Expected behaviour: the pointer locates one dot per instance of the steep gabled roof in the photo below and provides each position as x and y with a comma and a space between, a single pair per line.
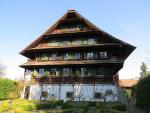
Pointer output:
75, 14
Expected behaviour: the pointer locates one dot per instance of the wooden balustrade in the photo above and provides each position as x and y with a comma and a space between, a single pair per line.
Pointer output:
71, 80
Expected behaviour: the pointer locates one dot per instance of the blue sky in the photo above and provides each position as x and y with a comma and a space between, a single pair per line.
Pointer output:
21, 22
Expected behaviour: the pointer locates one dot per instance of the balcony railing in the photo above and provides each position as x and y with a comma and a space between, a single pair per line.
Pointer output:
72, 80
94, 45
71, 62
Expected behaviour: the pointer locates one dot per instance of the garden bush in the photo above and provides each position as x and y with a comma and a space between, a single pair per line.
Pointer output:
92, 104
6, 87
119, 107
60, 102
66, 105
44, 105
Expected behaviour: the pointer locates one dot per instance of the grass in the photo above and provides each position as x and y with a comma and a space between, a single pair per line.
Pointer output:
23, 106
26, 106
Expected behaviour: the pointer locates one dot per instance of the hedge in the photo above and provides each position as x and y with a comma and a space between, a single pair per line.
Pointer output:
6, 87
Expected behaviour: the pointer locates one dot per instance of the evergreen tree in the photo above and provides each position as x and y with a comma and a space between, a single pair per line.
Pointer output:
144, 71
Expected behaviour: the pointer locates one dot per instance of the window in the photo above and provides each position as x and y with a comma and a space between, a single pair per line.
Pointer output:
66, 56
78, 71
84, 72
53, 56
44, 56
91, 71
66, 42
69, 95
97, 95
100, 71
66, 72
77, 56
89, 55
77, 42
84, 41
91, 41
53, 71
44, 94
47, 71
52, 43
103, 54
108, 92
41, 71
35, 72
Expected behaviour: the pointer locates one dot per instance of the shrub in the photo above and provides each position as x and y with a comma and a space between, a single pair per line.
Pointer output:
119, 107
143, 93
66, 105
44, 106
60, 102
6, 87
92, 104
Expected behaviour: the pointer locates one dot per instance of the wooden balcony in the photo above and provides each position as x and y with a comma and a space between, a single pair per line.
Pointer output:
34, 63
71, 80
72, 33
94, 46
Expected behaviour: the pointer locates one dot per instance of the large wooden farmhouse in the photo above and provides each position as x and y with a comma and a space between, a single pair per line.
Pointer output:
74, 59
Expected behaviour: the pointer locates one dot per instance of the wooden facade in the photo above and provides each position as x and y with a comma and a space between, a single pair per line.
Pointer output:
74, 50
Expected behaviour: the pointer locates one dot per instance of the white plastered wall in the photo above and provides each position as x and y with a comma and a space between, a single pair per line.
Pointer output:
81, 91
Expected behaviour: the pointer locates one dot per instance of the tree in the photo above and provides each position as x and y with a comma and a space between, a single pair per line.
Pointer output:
144, 71
143, 93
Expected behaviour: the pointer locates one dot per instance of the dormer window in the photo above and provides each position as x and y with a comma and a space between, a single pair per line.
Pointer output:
103, 54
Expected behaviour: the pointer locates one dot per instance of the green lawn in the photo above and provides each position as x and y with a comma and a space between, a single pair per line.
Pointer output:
26, 106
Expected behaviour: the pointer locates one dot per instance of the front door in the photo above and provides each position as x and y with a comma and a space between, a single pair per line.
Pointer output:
27, 91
